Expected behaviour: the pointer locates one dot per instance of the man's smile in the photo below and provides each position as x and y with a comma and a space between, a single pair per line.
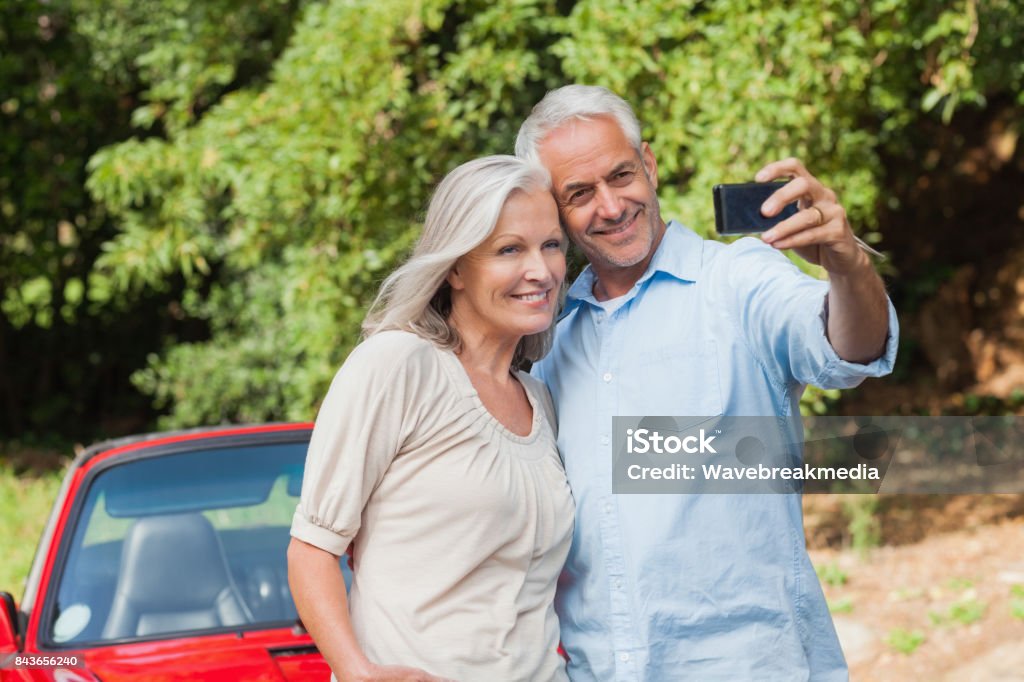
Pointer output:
618, 227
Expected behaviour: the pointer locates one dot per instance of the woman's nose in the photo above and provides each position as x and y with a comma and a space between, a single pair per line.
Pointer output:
539, 269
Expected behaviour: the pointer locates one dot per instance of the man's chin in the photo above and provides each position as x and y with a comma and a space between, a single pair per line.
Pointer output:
625, 257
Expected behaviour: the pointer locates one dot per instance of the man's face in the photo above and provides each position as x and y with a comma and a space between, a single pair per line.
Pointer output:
605, 192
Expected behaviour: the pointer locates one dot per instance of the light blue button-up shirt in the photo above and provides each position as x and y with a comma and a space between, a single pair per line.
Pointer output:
701, 587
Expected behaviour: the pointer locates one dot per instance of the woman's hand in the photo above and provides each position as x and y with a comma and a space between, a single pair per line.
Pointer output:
396, 673
319, 592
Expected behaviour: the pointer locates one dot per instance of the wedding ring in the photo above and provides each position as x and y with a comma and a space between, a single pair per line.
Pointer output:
821, 216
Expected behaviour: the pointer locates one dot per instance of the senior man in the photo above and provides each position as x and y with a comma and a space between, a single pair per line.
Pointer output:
663, 322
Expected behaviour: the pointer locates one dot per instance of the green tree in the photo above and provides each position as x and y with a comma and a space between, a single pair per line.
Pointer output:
281, 201
69, 337
284, 205
54, 116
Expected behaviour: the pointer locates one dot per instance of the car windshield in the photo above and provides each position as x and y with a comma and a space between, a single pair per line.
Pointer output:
185, 542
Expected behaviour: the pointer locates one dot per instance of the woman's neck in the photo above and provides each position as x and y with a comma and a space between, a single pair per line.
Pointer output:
483, 354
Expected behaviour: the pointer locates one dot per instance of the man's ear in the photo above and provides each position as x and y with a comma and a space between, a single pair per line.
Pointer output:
650, 164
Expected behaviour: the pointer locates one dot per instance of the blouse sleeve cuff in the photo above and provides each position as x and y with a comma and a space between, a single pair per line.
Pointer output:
314, 534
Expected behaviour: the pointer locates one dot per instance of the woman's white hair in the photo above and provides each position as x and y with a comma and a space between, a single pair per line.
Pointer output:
568, 102
463, 212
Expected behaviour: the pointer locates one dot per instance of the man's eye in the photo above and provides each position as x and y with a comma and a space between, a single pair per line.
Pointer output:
622, 178
579, 196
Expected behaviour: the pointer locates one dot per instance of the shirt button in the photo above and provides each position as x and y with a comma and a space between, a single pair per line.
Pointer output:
604, 440
607, 377
624, 657
607, 509
618, 583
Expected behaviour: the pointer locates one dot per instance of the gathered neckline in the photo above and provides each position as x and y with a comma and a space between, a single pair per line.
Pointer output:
461, 379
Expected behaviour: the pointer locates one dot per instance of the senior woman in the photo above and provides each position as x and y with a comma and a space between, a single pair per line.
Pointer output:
435, 456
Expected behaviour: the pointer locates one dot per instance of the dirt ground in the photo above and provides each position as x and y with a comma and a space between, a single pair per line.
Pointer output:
941, 599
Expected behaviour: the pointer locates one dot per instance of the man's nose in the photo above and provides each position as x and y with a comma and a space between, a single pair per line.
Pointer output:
609, 206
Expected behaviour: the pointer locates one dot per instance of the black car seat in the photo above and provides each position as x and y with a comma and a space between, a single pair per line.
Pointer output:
174, 577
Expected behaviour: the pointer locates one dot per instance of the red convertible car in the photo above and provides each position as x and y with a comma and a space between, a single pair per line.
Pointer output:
164, 559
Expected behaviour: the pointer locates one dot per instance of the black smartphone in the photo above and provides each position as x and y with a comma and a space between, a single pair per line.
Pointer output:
738, 207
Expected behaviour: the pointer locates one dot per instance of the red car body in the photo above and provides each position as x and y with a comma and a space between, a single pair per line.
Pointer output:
224, 481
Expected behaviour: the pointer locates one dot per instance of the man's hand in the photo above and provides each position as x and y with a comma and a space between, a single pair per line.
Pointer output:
858, 322
819, 232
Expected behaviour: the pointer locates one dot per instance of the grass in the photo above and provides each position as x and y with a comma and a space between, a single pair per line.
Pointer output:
1017, 601
964, 612
842, 605
959, 584
24, 505
907, 593
905, 641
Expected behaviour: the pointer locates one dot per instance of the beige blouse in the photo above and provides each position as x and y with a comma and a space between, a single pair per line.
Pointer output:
461, 527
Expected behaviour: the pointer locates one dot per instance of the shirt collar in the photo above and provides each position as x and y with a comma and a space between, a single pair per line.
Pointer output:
678, 255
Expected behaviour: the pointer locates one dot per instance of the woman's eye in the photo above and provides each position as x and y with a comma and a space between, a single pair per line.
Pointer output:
553, 244
507, 250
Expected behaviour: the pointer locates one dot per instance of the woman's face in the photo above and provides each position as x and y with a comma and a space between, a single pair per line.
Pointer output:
507, 287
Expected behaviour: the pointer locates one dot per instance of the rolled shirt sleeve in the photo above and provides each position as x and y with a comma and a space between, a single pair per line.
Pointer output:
782, 317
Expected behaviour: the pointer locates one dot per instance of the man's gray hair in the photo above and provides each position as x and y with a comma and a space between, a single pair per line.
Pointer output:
463, 212
568, 102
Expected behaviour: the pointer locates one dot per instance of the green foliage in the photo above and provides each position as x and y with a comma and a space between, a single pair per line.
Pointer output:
818, 401
285, 205
841, 605
994, 406
286, 149
832, 574
958, 584
907, 593
963, 611
1017, 601
905, 641
46, 222
727, 87
865, 532
65, 355
185, 54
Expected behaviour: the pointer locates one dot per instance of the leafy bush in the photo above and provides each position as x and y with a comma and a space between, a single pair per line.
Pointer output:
287, 148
